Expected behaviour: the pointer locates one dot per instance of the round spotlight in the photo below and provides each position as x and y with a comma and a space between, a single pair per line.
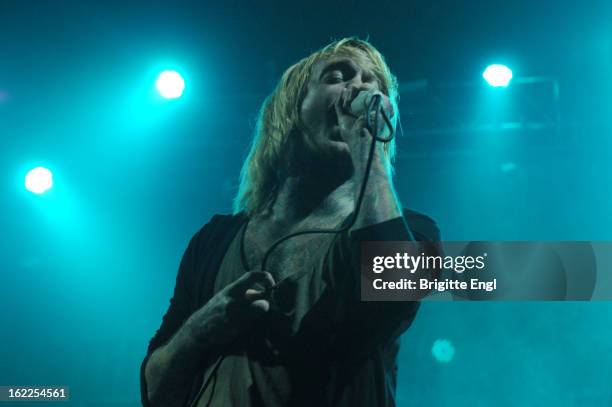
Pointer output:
497, 75
170, 84
443, 351
39, 180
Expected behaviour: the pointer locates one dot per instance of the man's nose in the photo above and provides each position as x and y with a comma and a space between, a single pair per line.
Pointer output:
356, 85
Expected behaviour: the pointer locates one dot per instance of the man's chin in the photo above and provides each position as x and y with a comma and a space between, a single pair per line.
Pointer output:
334, 159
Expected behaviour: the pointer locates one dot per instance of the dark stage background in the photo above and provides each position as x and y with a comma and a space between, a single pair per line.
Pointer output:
88, 269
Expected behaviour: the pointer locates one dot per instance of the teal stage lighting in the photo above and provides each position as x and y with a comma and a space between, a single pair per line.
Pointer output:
497, 75
39, 180
170, 85
443, 351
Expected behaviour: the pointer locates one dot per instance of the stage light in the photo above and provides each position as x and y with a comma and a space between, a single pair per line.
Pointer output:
170, 84
507, 167
39, 180
497, 75
443, 350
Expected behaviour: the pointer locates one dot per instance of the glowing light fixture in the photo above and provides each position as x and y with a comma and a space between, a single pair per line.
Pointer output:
170, 84
39, 180
497, 75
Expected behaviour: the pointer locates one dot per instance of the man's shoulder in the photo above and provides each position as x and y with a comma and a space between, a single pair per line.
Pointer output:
422, 225
225, 219
413, 214
220, 223
209, 244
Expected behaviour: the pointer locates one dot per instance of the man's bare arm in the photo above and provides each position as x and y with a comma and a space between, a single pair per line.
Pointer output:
171, 368
380, 202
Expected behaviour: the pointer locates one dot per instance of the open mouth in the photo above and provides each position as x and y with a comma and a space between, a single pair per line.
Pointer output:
332, 119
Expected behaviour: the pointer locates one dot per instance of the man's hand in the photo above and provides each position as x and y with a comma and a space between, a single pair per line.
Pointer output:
354, 132
231, 311
379, 203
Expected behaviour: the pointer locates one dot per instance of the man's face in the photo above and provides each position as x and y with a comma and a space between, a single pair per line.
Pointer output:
321, 131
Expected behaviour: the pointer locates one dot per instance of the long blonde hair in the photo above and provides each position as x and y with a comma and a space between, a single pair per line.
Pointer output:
279, 118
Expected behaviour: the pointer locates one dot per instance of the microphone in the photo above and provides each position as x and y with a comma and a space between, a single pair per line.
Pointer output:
360, 105
362, 101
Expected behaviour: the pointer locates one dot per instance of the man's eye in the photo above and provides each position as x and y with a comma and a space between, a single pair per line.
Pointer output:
369, 78
334, 77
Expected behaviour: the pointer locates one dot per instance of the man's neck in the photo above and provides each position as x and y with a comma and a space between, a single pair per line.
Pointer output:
303, 198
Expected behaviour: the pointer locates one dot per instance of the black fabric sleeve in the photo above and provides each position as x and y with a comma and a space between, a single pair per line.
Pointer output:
179, 310
364, 325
